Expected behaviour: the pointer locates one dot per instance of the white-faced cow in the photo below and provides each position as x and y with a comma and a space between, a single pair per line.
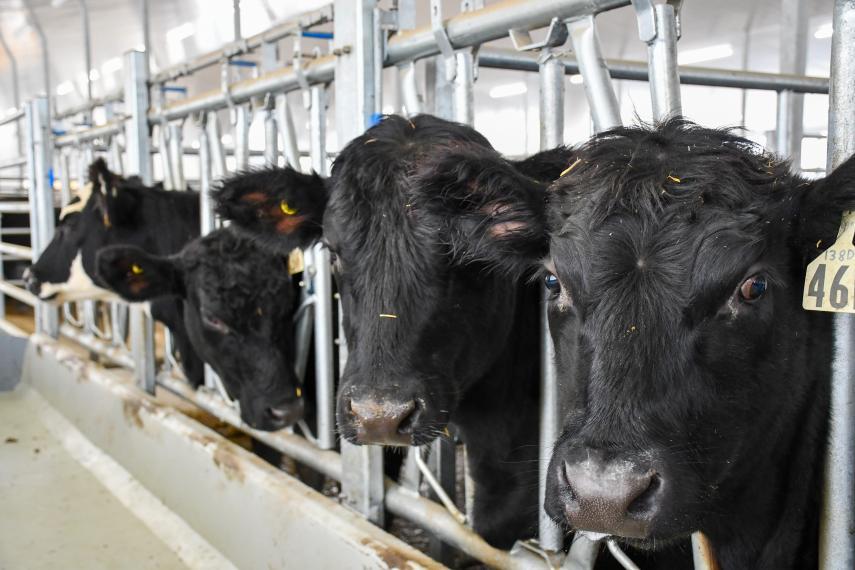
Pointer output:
238, 303
115, 210
433, 336
699, 388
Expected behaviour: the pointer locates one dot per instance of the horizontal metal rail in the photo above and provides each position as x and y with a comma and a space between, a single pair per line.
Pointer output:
14, 231
491, 23
320, 70
21, 251
110, 129
112, 97
285, 29
13, 162
689, 75
400, 501
18, 293
14, 207
87, 340
16, 115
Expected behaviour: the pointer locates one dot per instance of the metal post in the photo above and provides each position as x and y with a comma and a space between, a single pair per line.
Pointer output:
39, 161
285, 122
16, 90
236, 20
141, 328
318, 129
87, 51
146, 26
163, 151
175, 155
410, 100
34, 21
323, 330
2, 275
242, 117
551, 135
207, 220
794, 28
271, 138
215, 145
658, 26
837, 542
137, 142
355, 73
599, 90
463, 87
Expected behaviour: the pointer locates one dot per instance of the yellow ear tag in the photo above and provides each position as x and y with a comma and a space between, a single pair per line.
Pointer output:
830, 278
136, 269
299, 392
286, 209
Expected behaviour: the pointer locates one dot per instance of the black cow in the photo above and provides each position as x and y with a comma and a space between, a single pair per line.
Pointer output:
675, 257
115, 210
238, 302
433, 336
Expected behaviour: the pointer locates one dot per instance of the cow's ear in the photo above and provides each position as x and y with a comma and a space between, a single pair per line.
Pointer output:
490, 210
113, 203
137, 275
821, 205
280, 207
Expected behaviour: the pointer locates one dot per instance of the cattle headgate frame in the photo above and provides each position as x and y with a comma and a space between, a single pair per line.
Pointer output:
365, 40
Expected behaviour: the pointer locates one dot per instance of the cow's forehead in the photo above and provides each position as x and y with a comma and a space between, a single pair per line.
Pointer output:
77, 205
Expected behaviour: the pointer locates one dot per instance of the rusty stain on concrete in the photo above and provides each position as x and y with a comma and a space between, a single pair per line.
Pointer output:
225, 459
390, 556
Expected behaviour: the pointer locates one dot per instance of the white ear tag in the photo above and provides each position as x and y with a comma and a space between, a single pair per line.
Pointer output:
830, 278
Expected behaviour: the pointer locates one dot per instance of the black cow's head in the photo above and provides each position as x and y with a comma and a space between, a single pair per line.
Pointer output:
104, 212
238, 305
423, 321
674, 258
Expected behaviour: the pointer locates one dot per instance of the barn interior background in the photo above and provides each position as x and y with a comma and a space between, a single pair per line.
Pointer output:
188, 91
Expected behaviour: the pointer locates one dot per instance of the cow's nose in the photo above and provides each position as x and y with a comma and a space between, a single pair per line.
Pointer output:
384, 422
284, 415
31, 282
611, 495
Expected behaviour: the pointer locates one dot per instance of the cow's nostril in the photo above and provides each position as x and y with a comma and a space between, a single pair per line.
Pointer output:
277, 413
409, 418
646, 501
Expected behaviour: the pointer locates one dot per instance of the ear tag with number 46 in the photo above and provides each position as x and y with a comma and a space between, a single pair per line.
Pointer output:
830, 278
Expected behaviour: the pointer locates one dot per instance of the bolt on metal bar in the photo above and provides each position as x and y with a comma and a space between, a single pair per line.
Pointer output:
551, 135
599, 90
39, 159
837, 542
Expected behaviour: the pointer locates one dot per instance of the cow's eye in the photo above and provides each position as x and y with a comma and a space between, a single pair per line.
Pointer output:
753, 288
213, 323
552, 283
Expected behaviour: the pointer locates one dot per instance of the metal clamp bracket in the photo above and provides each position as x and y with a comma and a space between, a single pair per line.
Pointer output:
645, 14
556, 36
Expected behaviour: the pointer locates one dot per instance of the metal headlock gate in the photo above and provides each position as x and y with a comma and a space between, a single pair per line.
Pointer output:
366, 39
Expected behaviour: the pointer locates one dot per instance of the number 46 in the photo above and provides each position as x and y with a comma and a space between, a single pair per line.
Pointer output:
838, 293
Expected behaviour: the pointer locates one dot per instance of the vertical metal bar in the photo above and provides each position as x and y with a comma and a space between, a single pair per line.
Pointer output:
794, 28
236, 20
243, 117
176, 156
837, 542
463, 87
163, 152
16, 90
137, 142
206, 205
215, 145
271, 138
551, 135
410, 100
146, 27
141, 328
34, 21
65, 177
355, 85
87, 51
599, 89
657, 26
41, 197
443, 464
2, 276
324, 372
318, 129
285, 122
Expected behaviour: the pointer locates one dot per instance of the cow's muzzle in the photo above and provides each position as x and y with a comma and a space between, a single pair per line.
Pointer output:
608, 493
383, 421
